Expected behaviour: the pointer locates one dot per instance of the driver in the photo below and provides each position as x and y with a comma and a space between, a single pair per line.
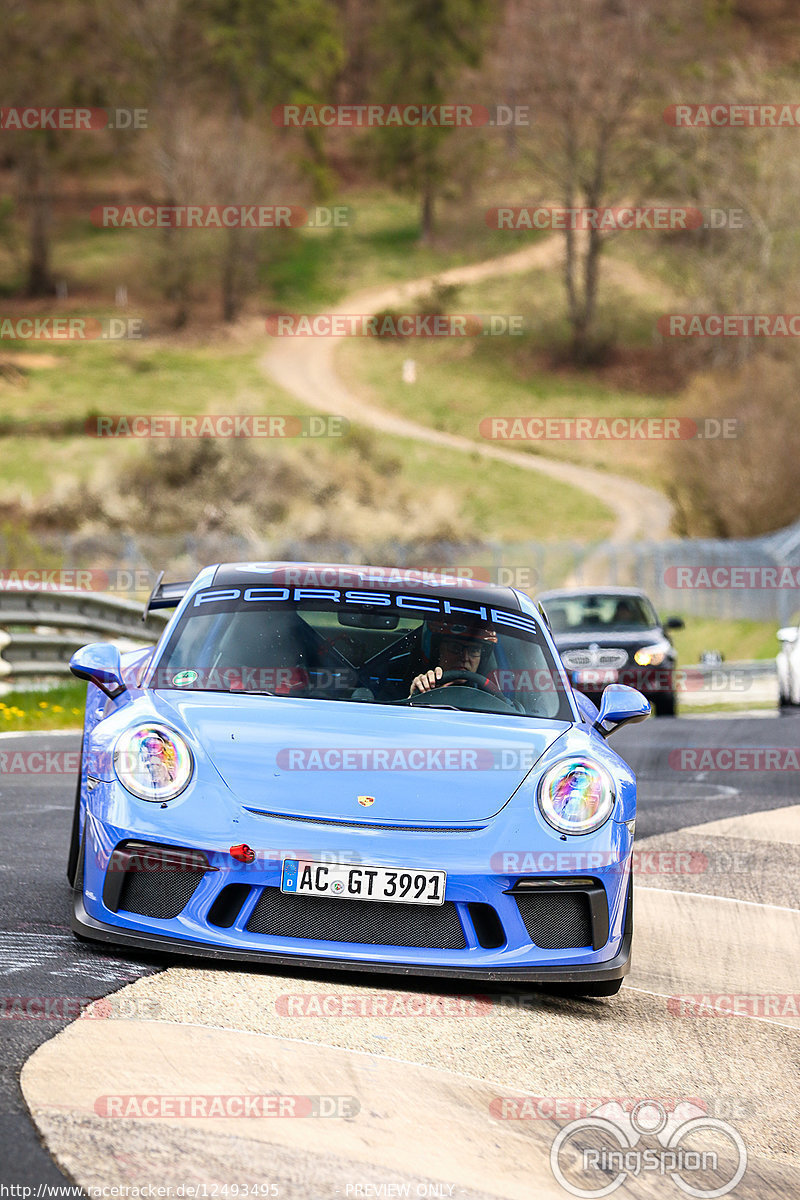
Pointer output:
452, 646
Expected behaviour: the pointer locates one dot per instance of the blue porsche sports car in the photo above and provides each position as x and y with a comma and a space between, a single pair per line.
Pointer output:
355, 767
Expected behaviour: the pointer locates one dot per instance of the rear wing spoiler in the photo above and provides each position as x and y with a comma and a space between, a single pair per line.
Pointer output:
165, 595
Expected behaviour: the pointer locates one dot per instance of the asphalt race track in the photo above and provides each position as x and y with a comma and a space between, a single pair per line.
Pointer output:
40, 958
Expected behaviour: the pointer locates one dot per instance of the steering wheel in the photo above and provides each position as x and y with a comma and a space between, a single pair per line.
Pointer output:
473, 679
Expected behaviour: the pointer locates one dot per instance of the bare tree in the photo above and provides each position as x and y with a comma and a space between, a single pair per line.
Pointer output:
243, 164
587, 72
48, 58
745, 258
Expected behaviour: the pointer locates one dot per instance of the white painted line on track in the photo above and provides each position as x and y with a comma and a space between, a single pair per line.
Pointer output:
370, 1054
18, 733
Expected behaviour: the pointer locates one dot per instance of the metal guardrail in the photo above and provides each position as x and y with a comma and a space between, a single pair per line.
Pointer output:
730, 683
44, 629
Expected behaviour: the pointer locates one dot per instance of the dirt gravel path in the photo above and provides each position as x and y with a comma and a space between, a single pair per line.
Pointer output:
306, 367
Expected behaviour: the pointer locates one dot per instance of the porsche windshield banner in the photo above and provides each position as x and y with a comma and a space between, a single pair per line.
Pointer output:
408, 605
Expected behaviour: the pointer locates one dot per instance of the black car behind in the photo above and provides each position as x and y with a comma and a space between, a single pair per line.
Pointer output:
613, 635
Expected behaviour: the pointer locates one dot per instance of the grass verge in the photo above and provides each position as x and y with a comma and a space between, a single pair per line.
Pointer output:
56, 708
736, 640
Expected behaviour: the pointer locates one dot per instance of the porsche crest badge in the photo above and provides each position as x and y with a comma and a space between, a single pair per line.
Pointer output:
366, 800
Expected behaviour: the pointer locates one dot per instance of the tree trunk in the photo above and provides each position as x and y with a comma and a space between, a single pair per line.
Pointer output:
36, 181
230, 275
427, 212
583, 347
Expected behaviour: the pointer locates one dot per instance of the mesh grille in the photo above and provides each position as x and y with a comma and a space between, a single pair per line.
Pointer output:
368, 921
557, 921
160, 894
604, 656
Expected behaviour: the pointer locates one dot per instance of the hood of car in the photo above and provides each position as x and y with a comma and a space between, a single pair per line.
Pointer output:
609, 637
361, 763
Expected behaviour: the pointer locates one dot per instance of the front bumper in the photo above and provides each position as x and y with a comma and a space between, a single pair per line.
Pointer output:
478, 874
652, 682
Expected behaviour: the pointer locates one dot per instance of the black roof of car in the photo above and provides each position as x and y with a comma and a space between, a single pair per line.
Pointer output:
566, 593
364, 579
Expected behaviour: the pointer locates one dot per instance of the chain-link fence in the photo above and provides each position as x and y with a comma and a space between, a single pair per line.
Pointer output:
748, 578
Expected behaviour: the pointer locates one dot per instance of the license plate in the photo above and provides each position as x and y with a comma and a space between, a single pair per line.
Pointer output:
340, 881
596, 676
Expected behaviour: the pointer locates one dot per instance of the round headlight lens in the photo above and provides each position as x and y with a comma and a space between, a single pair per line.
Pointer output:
576, 796
153, 762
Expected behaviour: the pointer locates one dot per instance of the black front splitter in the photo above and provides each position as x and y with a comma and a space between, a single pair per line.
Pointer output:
86, 926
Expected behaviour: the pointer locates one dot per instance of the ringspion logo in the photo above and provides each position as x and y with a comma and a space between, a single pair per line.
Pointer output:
594, 1155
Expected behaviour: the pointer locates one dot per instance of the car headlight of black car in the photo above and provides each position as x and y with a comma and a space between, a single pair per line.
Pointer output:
153, 762
576, 795
652, 656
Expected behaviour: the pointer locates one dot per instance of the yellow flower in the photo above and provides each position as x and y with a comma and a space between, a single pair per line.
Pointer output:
76, 712
43, 704
57, 708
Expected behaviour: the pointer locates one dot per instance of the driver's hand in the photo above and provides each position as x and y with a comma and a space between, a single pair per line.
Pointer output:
426, 681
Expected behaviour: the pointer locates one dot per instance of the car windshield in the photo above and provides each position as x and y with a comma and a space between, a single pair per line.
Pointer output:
369, 649
600, 611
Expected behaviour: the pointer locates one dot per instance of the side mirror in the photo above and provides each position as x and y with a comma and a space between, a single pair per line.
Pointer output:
674, 623
788, 634
620, 705
100, 663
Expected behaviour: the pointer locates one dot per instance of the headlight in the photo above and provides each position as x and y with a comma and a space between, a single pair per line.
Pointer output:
153, 762
576, 796
651, 656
